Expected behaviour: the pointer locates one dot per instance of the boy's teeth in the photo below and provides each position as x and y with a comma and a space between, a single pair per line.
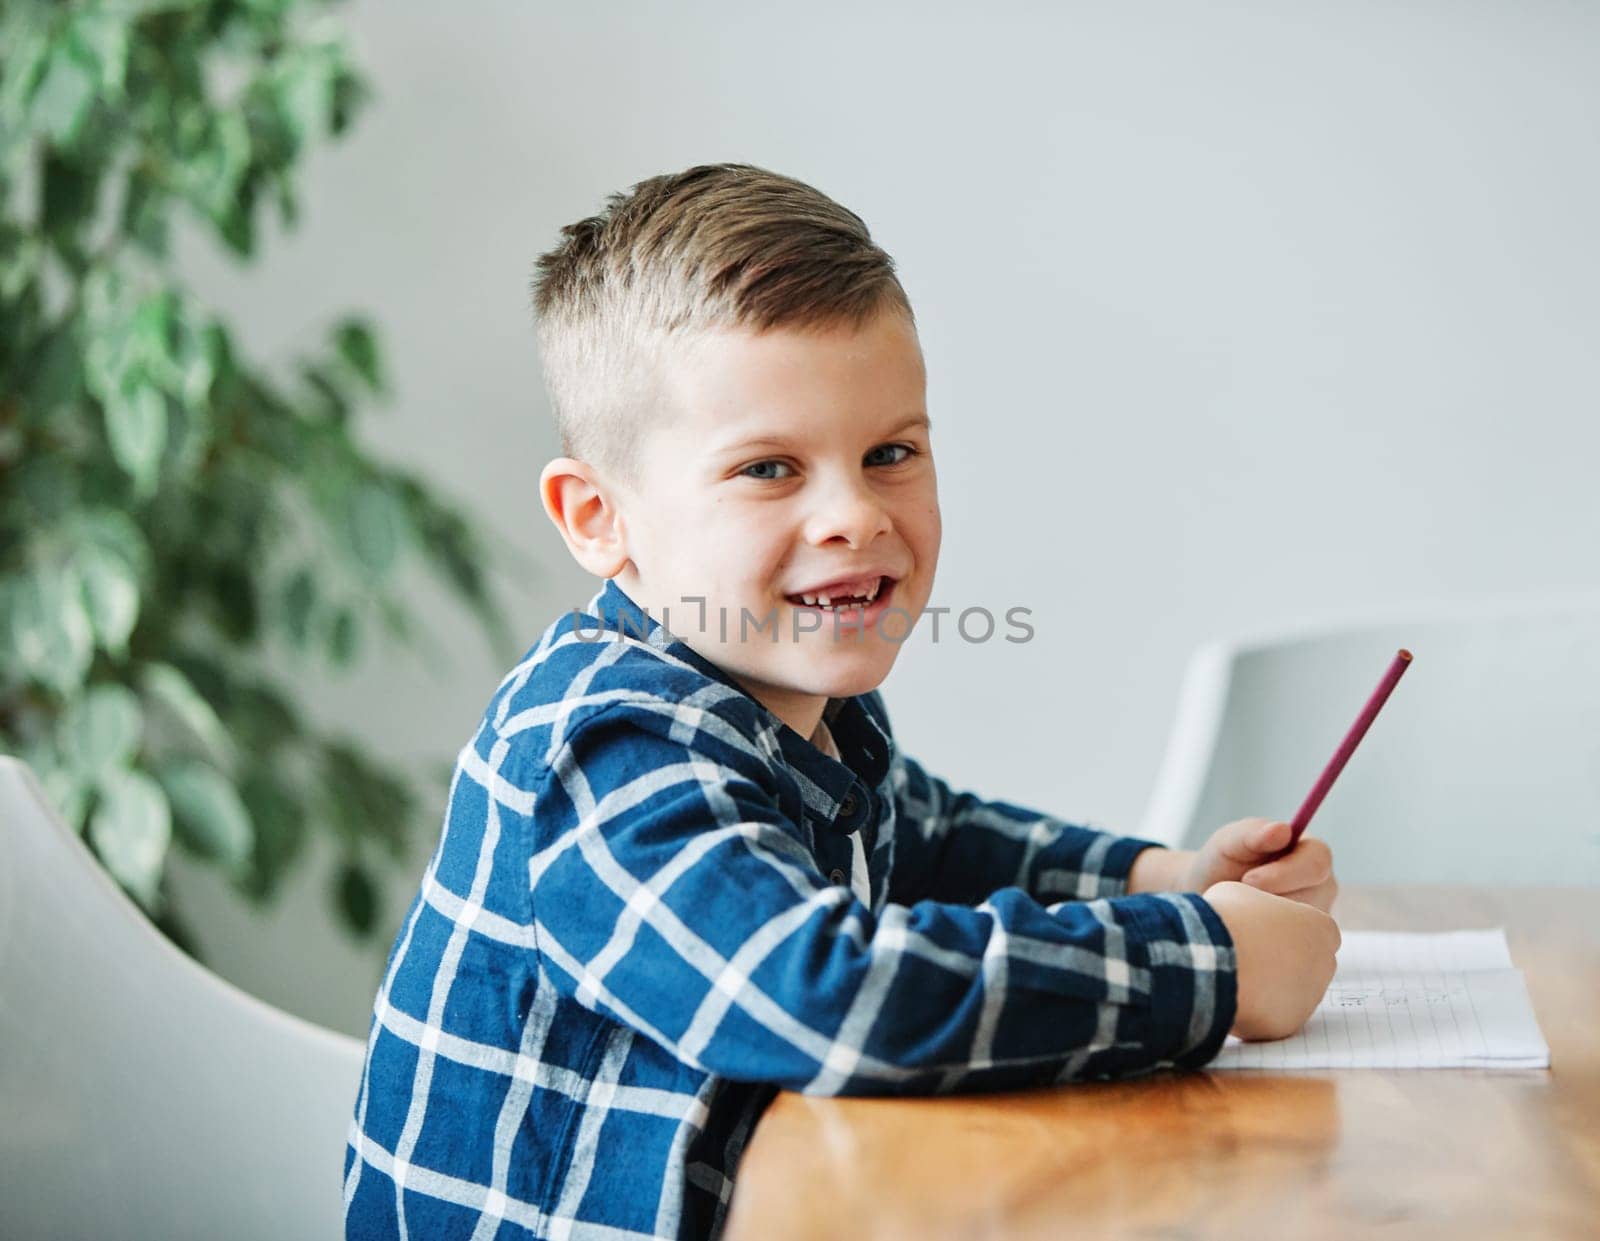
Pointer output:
826, 601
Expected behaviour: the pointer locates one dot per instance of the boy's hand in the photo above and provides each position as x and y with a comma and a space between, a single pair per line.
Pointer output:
1285, 958
1239, 851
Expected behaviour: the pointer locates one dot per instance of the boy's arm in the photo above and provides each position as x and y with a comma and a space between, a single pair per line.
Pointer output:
669, 893
959, 847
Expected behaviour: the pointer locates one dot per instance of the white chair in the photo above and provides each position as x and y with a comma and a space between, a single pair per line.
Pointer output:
1484, 766
142, 1096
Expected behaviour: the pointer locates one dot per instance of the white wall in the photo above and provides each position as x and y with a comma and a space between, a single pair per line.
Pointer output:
1234, 315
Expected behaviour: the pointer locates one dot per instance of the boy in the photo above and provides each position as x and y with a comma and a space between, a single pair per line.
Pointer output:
684, 865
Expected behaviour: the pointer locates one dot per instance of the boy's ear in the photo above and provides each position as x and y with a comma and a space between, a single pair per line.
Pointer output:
580, 506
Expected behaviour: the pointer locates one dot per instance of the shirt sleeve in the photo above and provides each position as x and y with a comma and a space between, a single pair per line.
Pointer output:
670, 893
959, 847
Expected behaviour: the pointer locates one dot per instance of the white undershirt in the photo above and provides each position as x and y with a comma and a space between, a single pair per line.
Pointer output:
860, 884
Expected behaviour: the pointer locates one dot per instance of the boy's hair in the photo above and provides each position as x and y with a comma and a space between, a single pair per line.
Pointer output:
714, 246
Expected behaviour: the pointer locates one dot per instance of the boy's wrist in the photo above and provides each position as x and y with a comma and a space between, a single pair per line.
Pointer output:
1159, 869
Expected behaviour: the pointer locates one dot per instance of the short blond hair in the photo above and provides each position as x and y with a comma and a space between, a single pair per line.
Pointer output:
714, 246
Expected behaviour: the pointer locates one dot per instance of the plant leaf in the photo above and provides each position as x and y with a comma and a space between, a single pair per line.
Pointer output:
45, 633
207, 811
27, 59
144, 214
69, 192
176, 693
136, 421
197, 366
232, 593
47, 485
224, 163
114, 531
111, 595
131, 829
102, 39
100, 731
343, 637
57, 380
280, 822
375, 526
357, 898
299, 599
365, 800
67, 793
304, 96
62, 100
359, 348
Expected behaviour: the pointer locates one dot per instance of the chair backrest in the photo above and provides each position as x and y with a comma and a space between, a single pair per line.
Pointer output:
143, 1096
1484, 766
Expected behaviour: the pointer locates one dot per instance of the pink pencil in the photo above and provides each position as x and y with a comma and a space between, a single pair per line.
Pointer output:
1347, 747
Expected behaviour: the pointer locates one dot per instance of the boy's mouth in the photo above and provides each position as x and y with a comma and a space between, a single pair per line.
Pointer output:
848, 594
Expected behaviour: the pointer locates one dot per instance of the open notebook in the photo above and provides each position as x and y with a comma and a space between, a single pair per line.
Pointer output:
1411, 1000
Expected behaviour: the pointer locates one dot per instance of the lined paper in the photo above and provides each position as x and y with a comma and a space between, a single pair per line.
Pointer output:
1411, 1000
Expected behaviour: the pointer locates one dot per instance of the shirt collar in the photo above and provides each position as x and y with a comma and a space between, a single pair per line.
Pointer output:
863, 743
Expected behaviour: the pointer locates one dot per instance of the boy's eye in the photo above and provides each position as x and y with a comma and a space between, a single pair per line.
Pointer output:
762, 465
905, 448
762, 471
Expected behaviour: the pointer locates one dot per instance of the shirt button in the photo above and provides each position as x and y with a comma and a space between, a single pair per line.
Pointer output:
836, 875
848, 806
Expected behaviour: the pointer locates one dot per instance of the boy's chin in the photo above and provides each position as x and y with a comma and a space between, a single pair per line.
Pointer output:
864, 677
839, 673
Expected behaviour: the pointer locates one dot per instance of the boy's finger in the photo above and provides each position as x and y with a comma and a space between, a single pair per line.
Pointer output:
1245, 839
1311, 863
1274, 879
1270, 837
1320, 896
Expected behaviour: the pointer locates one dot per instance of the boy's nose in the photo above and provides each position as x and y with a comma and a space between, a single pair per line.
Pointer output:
848, 510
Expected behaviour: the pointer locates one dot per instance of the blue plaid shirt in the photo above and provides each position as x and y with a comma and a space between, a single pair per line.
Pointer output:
637, 928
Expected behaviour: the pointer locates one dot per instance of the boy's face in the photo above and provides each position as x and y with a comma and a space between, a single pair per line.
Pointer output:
789, 461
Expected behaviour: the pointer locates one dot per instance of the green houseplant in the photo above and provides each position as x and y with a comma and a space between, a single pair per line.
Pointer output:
175, 521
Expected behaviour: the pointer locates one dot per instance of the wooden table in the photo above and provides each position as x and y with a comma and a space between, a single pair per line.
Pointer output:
1416, 1153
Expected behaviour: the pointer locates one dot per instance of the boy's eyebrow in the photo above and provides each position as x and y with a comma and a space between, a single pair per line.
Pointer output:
781, 441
